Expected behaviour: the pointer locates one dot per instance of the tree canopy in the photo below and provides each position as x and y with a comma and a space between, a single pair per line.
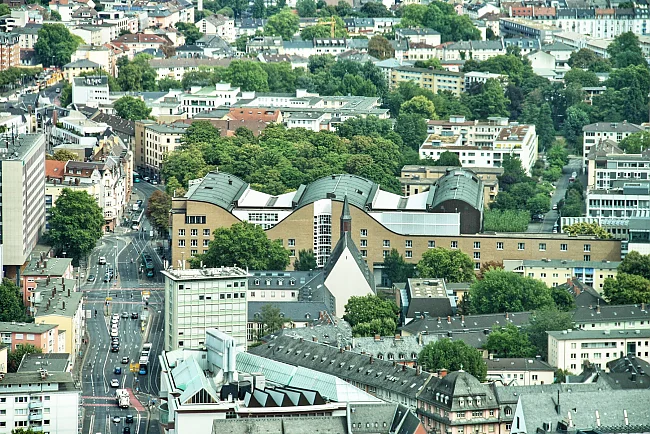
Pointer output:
627, 289
635, 263
136, 75
133, 109
306, 261
505, 291
451, 265
245, 245
76, 223
509, 341
584, 228
63, 155
626, 51
55, 45
396, 268
453, 355
270, 319
16, 356
284, 24
159, 206
546, 320
11, 303
371, 315
190, 32
441, 17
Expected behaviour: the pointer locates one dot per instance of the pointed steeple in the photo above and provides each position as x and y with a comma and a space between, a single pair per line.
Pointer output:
346, 217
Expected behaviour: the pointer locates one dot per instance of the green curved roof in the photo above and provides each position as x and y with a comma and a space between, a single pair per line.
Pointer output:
217, 188
360, 191
459, 184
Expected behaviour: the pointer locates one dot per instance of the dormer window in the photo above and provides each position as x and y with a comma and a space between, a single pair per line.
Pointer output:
461, 402
257, 282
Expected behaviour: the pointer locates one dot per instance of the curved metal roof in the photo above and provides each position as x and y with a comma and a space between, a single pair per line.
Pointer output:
360, 191
459, 184
220, 189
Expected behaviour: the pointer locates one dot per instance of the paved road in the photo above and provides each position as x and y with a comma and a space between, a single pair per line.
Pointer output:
122, 251
562, 184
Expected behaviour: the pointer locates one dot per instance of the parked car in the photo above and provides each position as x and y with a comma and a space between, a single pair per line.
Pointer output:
125, 314
128, 418
102, 260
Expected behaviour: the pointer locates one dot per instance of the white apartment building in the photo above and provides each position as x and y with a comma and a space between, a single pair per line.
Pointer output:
554, 272
91, 91
22, 211
46, 402
471, 78
608, 165
200, 99
75, 128
595, 133
568, 349
625, 200
199, 299
153, 142
481, 144
219, 25
519, 371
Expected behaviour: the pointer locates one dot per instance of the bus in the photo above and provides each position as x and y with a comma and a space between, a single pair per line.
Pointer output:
137, 221
147, 264
136, 177
144, 365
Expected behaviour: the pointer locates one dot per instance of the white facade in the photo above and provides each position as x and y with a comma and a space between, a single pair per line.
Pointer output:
196, 300
595, 133
75, 128
218, 25
23, 197
631, 199
568, 349
200, 99
91, 91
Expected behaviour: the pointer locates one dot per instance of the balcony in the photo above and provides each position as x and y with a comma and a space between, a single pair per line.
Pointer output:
35, 417
35, 404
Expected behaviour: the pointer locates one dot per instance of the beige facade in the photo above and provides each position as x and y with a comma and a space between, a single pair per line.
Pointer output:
153, 142
375, 240
3, 359
556, 272
432, 79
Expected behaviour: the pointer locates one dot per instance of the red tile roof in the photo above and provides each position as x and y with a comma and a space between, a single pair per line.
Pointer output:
54, 169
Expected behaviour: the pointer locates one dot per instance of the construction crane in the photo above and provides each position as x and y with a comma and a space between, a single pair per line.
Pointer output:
332, 24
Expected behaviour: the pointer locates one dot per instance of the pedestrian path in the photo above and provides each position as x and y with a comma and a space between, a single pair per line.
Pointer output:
134, 401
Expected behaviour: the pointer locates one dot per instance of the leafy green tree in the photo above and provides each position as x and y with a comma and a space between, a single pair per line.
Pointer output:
241, 43
489, 101
377, 326
250, 76
365, 309
246, 245
433, 63
190, 32
318, 31
66, 95
585, 228
16, 356
453, 355
627, 289
625, 51
560, 375
540, 116
159, 206
184, 165
419, 105
507, 220
137, 74
505, 291
4, 9
563, 299
11, 305
546, 320
133, 109
368, 126
576, 118
55, 16
283, 24
635, 143
64, 155
441, 17
55, 45
581, 77
76, 223
271, 319
448, 159
168, 83
509, 341
396, 268
635, 263
412, 128
588, 59
306, 8
557, 154
379, 47
375, 10
201, 132
452, 265
259, 9
306, 261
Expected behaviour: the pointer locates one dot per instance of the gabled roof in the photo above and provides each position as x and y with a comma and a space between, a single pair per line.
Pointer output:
189, 377
345, 243
54, 169
466, 322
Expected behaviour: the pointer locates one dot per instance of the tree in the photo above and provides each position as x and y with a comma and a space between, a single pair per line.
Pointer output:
270, 319
441, 17
635, 263
201, 132
396, 268
487, 266
375, 10
306, 261
379, 47
557, 155
546, 320
4, 9
283, 24
366, 309
306, 8
563, 299
159, 206
64, 155
246, 245
419, 105
133, 109
377, 326
412, 128
11, 305
259, 9
581, 77
560, 375
585, 58
509, 341
504, 291
627, 289
250, 76
55, 16
66, 95
489, 101
540, 116
584, 228
55, 45
137, 74
452, 355
190, 32
506, 220
635, 143
76, 224
452, 265
625, 51
575, 119
167, 83
16, 356
448, 159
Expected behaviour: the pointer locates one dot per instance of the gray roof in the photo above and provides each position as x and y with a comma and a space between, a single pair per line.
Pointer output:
459, 384
360, 190
466, 322
558, 46
217, 188
21, 327
51, 362
397, 347
280, 280
610, 313
459, 184
518, 364
416, 32
511, 394
337, 333
623, 127
561, 263
63, 379
349, 366
563, 335
82, 63
285, 425
299, 311
54, 300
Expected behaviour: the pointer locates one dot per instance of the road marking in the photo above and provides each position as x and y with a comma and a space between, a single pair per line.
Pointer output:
99, 397
97, 405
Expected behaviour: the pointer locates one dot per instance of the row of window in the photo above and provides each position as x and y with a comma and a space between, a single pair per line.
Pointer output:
194, 232
194, 243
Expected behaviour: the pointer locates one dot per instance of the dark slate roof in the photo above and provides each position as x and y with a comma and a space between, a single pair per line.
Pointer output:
466, 322
511, 394
82, 63
623, 127
360, 190
280, 280
349, 366
459, 184
330, 331
583, 295
285, 425
299, 311
611, 313
518, 364
117, 124
217, 188
456, 385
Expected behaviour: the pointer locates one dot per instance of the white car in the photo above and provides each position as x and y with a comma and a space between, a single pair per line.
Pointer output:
102, 260
114, 334
115, 382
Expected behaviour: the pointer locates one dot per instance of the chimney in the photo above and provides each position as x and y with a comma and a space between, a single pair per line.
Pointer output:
438, 320
462, 318
398, 337
598, 309
404, 367
491, 356
68, 292
448, 320
418, 370
63, 305
577, 291
341, 350
443, 373
371, 359
507, 315
314, 339
377, 338
643, 307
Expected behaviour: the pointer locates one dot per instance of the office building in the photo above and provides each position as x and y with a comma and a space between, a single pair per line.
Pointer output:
434, 80
199, 299
22, 166
91, 91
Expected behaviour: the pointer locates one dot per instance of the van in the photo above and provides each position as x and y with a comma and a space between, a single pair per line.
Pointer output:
102, 260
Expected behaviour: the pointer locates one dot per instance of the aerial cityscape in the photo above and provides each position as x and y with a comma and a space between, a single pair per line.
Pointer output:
324, 217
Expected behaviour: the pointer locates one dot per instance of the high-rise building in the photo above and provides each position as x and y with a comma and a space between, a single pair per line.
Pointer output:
199, 299
22, 209
9, 51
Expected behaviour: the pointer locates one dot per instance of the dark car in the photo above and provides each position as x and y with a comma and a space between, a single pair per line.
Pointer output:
134, 315
129, 418
139, 202
91, 278
126, 430
115, 348
118, 370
